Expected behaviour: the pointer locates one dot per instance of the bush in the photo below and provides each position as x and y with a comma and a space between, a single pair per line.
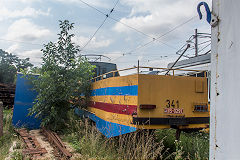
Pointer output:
190, 146
64, 76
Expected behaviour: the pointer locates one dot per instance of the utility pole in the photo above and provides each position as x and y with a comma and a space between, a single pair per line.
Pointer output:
138, 67
1, 118
196, 42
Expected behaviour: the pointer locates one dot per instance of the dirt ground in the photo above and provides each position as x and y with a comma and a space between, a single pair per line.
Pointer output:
43, 143
42, 140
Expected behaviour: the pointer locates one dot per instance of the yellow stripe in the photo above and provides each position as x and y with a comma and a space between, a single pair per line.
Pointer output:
112, 117
122, 119
116, 82
124, 100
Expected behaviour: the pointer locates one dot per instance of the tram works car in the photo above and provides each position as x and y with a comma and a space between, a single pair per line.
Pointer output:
124, 104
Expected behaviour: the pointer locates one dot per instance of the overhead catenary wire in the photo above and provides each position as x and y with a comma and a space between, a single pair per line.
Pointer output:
139, 47
164, 34
176, 27
106, 17
118, 21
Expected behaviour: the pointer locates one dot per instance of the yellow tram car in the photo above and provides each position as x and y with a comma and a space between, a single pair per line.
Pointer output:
124, 104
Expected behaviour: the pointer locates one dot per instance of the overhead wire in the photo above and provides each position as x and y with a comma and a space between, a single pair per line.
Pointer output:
118, 21
106, 17
145, 44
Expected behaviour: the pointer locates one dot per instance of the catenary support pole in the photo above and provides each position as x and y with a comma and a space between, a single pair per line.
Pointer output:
1, 118
196, 42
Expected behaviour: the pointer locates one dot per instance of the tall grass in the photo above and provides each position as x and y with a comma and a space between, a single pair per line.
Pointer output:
8, 132
193, 145
90, 143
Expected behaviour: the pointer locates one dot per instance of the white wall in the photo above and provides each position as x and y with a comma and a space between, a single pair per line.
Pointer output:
225, 85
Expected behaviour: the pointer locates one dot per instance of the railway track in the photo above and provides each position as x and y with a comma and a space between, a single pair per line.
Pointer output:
35, 151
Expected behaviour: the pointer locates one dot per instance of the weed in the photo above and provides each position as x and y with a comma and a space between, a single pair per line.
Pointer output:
179, 150
194, 145
17, 155
7, 138
90, 143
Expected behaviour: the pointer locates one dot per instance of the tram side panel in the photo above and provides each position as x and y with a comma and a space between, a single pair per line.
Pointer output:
113, 101
172, 101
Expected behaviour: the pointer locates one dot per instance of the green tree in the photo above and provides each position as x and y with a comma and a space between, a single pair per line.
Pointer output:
63, 77
9, 65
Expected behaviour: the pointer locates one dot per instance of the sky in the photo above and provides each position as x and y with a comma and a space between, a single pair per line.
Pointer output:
28, 24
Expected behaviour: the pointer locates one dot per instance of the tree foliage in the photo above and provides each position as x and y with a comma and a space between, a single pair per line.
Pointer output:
11, 64
64, 76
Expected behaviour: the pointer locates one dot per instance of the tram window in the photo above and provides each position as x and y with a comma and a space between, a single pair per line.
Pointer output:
104, 70
95, 72
200, 74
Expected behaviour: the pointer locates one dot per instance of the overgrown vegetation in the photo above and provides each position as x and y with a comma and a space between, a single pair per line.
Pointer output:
8, 134
193, 145
63, 77
10, 144
9, 65
6, 139
91, 144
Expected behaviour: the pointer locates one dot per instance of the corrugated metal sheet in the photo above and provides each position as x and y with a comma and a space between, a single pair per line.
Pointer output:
24, 97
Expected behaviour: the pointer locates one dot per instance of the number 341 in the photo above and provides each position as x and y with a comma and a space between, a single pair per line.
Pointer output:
172, 103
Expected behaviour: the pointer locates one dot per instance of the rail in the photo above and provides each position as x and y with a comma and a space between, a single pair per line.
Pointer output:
156, 68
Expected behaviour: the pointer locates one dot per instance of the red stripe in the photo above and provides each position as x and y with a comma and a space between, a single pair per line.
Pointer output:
115, 108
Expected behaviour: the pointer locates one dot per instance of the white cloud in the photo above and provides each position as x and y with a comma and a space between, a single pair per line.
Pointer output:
5, 13
157, 16
23, 1
34, 55
25, 30
95, 3
160, 63
94, 43
29, 1
13, 48
113, 55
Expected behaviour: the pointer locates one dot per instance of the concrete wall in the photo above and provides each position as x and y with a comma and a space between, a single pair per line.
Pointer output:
225, 86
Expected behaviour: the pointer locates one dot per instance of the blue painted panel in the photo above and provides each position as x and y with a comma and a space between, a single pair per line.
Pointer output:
117, 91
108, 129
24, 98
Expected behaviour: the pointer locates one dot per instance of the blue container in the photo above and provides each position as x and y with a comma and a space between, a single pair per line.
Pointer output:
24, 98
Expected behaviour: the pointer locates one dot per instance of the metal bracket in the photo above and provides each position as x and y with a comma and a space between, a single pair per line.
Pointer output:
211, 18
214, 20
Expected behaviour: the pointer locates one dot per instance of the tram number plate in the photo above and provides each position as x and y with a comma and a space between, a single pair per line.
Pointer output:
173, 110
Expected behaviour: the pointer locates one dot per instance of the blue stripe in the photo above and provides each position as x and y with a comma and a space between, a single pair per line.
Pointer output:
108, 129
116, 91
